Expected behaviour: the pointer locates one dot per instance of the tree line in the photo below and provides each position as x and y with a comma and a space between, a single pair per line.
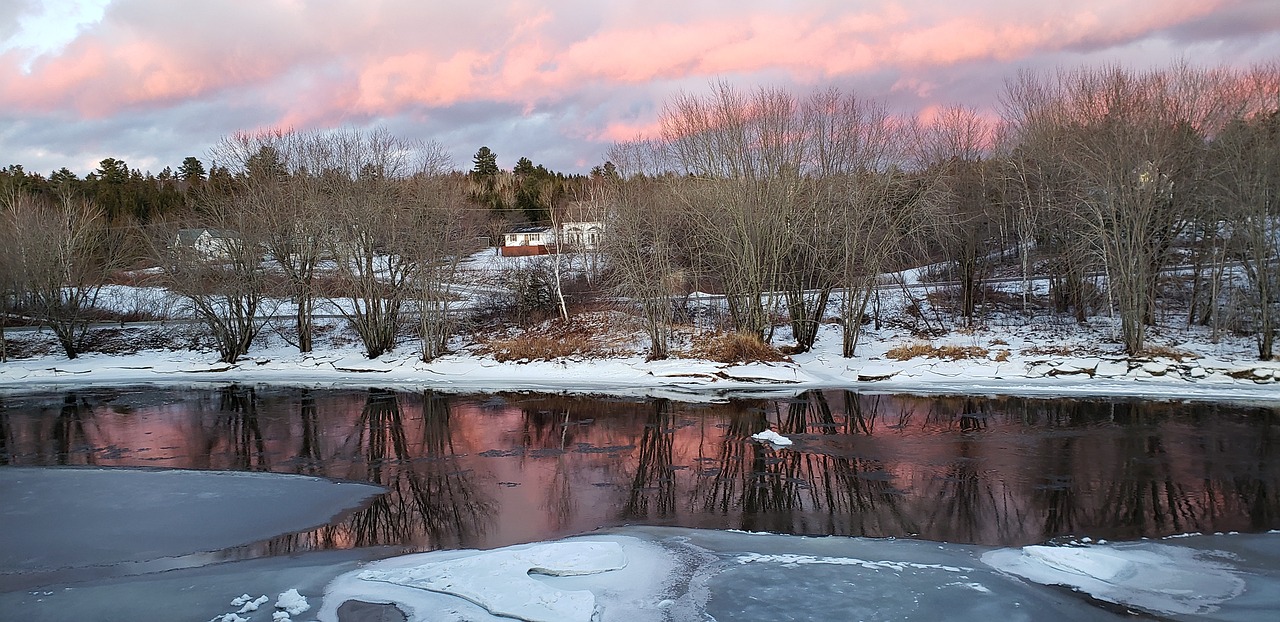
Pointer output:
1099, 179
372, 222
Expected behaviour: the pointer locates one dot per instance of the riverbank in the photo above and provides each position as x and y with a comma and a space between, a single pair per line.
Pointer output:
1067, 360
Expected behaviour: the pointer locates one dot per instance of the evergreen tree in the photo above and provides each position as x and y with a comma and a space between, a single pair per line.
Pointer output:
192, 170
486, 163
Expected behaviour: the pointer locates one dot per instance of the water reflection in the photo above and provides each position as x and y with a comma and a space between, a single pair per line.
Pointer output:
483, 471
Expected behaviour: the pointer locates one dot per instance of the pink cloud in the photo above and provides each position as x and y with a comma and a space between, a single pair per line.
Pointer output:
526, 53
309, 67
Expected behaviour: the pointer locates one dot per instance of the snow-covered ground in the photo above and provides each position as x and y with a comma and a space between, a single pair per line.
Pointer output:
1018, 361
1040, 355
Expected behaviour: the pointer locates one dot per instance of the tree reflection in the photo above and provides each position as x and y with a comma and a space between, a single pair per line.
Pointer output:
238, 410
993, 471
722, 487
69, 431
653, 487
6, 437
430, 498
309, 458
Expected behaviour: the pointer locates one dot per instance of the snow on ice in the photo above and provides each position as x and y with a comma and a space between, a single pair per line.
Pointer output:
1156, 578
772, 438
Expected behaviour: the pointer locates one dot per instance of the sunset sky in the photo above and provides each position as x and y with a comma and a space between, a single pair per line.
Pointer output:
153, 81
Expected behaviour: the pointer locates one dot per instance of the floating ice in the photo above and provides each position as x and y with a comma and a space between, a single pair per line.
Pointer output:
250, 605
1157, 578
772, 438
623, 579
292, 602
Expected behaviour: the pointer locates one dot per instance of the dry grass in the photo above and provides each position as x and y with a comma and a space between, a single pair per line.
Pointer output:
536, 347
928, 350
1050, 351
589, 335
1165, 352
734, 347
1002, 356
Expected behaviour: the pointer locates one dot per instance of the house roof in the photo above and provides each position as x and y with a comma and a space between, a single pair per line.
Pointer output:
530, 229
189, 237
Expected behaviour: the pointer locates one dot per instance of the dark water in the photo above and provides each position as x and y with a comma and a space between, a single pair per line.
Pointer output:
491, 470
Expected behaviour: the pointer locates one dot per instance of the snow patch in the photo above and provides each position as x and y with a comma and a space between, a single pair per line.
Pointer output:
800, 560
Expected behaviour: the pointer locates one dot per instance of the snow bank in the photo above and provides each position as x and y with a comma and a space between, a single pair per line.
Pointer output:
1026, 359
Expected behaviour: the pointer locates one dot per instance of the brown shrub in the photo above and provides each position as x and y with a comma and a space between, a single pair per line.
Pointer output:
922, 349
1050, 351
734, 347
1165, 352
594, 334
536, 347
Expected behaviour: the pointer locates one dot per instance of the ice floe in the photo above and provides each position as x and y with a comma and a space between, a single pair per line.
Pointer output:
772, 438
1157, 578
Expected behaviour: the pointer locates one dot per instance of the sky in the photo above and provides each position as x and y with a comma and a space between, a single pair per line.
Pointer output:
153, 81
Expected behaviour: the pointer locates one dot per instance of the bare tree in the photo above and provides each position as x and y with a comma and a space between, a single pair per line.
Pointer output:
740, 164
283, 184
1247, 178
10, 284
445, 236
379, 220
1132, 140
776, 199
642, 239
217, 269
866, 211
955, 147
60, 256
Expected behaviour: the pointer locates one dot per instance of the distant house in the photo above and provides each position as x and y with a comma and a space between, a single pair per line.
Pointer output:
536, 240
207, 243
583, 236
526, 241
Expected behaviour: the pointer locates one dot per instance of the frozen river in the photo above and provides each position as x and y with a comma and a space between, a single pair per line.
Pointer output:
654, 484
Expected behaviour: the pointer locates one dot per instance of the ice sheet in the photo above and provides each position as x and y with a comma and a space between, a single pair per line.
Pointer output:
688, 575
56, 518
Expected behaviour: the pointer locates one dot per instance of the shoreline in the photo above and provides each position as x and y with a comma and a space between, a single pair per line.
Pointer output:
684, 379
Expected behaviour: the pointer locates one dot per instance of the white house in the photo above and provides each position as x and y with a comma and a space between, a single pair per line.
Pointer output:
583, 236
207, 243
524, 241
577, 236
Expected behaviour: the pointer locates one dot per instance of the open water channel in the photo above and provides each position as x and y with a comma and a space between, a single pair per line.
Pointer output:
485, 471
